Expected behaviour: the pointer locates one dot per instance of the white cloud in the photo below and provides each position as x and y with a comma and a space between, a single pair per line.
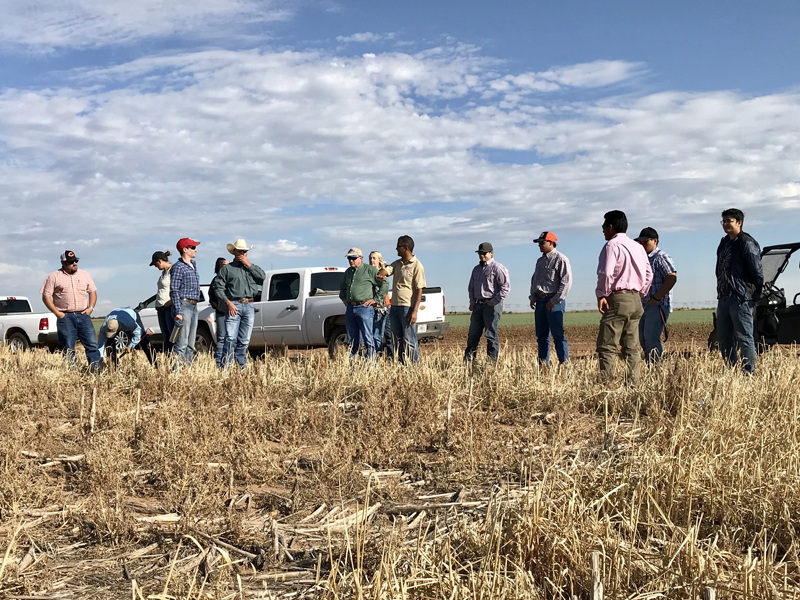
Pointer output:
311, 149
47, 24
365, 37
289, 248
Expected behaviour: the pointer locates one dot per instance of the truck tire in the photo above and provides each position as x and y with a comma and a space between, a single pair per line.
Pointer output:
337, 340
18, 342
203, 342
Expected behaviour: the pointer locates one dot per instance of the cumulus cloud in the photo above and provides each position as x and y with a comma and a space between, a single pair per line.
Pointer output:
310, 148
48, 24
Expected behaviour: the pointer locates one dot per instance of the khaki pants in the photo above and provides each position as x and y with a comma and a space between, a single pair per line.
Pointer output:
620, 325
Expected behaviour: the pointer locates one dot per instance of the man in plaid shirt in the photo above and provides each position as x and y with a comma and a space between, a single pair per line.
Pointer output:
657, 303
184, 291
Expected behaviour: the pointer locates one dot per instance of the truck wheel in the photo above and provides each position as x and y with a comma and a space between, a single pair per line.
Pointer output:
337, 340
18, 342
203, 341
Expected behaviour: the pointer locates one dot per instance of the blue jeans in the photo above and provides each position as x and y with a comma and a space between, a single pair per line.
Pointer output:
380, 332
650, 329
359, 321
166, 323
219, 348
404, 335
238, 330
484, 318
74, 327
735, 332
551, 322
184, 345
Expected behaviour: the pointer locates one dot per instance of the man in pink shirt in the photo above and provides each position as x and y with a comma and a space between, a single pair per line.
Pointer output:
64, 293
623, 279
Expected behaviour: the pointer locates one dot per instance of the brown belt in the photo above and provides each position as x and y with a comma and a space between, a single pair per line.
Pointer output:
242, 300
189, 301
624, 292
543, 295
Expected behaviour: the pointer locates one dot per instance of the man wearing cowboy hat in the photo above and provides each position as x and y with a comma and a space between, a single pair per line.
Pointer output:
237, 282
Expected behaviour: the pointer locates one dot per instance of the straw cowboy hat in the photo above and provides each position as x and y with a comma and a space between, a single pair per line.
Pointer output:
239, 244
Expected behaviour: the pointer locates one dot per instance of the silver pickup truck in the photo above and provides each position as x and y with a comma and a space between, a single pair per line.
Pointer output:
21, 328
299, 308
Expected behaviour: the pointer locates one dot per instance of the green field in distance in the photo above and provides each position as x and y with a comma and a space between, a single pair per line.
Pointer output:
581, 318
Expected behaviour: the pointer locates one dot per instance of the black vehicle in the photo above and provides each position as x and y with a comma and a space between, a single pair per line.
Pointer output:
775, 321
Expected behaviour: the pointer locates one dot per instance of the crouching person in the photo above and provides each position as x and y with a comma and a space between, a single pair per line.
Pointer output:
128, 321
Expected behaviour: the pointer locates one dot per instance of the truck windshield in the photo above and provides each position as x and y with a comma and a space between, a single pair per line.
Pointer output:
8, 307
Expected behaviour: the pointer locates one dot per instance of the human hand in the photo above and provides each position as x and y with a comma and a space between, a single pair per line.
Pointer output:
59, 314
88, 310
653, 302
550, 305
533, 304
179, 318
471, 307
412, 317
369, 302
602, 305
242, 258
231, 308
382, 275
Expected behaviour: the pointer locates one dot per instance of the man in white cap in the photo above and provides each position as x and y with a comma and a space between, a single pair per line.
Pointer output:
358, 292
237, 282
64, 293
128, 321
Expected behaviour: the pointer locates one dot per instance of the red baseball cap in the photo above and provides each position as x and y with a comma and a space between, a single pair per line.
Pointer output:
183, 242
546, 236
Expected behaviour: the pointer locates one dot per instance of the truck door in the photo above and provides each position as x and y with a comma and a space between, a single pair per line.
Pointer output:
281, 310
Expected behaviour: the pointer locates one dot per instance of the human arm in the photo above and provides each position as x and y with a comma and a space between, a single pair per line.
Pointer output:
605, 271
48, 302
416, 299
137, 333
258, 274
564, 271
752, 258
669, 282
92, 303
470, 290
502, 285
175, 282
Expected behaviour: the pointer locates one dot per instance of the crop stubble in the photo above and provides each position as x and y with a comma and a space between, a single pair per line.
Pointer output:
306, 478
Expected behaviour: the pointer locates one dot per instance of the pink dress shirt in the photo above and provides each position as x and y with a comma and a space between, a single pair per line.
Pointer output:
68, 291
623, 265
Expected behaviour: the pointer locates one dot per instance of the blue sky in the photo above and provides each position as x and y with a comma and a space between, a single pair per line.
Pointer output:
310, 127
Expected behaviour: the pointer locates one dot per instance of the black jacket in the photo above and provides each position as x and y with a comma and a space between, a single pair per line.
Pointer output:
744, 275
217, 303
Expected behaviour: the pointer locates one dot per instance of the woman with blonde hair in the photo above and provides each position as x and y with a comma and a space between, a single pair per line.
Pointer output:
166, 323
381, 330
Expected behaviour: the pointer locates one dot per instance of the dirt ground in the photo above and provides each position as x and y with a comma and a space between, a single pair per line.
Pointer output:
581, 338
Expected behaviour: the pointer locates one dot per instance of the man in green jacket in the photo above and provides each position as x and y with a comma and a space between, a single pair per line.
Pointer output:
358, 289
237, 283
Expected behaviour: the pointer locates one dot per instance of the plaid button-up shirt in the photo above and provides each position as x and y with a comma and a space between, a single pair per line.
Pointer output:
662, 265
184, 282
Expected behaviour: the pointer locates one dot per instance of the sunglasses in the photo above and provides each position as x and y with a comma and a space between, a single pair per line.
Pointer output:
72, 261
190, 247
353, 257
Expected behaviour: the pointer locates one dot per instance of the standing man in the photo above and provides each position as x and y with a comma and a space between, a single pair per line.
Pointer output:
64, 294
740, 279
357, 291
550, 284
237, 282
623, 278
657, 304
488, 286
407, 286
184, 291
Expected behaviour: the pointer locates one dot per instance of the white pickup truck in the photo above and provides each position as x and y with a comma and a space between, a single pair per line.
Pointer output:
21, 328
299, 308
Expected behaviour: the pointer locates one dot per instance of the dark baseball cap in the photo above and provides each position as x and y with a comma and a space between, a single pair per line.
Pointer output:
546, 236
484, 248
68, 256
648, 233
157, 256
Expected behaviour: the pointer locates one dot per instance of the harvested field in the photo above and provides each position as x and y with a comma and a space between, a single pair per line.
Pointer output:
305, 478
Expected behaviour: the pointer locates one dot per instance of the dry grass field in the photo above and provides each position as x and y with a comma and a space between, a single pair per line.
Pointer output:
306, 478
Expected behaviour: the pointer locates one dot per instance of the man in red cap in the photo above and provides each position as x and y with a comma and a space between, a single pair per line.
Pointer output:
550, 284
184, 291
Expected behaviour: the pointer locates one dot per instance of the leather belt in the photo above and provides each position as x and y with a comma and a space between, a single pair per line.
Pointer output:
543, 295
624, 292
483, 301
189, 301
242, 300
355, 303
